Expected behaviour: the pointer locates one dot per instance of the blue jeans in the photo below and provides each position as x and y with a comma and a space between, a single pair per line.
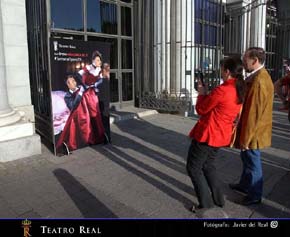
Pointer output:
252, 176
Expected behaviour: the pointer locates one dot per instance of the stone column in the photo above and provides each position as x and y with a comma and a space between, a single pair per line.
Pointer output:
258, 24
178, 36
7, 114
17, 131
191, 58
157, 45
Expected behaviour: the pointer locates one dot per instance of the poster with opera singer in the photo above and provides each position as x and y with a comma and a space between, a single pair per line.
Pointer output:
80, 73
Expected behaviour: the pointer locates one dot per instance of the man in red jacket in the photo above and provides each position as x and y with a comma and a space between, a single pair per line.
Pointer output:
218, 111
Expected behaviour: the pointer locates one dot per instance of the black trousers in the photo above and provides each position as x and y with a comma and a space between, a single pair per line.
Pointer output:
289, 111
201, 169
106, 124
104, 109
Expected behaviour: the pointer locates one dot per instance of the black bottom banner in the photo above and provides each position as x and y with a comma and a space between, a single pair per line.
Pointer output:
137, 227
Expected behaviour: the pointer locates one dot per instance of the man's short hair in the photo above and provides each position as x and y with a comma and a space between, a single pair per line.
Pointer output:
257, 52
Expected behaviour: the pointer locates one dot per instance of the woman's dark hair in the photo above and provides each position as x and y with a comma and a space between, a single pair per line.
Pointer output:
69, 76
96, 54
235, 66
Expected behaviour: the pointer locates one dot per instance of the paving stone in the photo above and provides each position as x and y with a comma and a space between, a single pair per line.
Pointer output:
211, 213
141, 175
7, 212
29, 215
21, 207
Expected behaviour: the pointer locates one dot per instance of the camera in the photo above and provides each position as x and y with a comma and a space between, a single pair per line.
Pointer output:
198, 77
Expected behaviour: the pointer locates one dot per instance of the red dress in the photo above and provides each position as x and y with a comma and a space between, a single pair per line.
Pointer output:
90, 75
84, 125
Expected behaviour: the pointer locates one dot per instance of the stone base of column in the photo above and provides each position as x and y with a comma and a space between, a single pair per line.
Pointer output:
18, 141
10, 118
28, 112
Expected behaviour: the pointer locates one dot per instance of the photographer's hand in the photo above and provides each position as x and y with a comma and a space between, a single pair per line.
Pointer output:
202, 90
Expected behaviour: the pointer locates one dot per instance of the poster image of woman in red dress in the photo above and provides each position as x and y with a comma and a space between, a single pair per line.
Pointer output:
97, 74
84, 125
92, 73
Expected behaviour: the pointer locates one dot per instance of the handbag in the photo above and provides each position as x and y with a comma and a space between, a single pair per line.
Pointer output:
235, 127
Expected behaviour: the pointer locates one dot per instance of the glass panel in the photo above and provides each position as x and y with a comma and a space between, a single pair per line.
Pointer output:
114, 88
127, 86
198, 9
210, 35
213, 11
127, 54
67, 14
113, 49
205, 10
108, 18
93, 16
198, 33
126, 23
102, 17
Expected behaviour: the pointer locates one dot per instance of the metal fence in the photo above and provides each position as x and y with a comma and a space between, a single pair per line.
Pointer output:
255, 24
244, 26
190, 37
38, 68
272, 25
179, 39
283, 41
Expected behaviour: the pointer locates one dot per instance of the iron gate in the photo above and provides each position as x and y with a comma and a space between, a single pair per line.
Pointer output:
283, 41
187, 40
38, 68
254, 24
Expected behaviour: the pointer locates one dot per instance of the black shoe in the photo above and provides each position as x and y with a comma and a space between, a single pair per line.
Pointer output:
220, 205
248, 201
237, 187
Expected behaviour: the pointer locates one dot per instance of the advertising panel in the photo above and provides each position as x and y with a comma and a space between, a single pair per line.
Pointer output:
80, 73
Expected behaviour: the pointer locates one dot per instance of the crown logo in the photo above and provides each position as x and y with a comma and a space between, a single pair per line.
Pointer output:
26, 222
26, 227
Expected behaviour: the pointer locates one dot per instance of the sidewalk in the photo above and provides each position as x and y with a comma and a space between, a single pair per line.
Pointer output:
142, 175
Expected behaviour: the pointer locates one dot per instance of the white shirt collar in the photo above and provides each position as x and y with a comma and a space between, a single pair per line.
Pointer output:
253, 72
94, 70
71, 91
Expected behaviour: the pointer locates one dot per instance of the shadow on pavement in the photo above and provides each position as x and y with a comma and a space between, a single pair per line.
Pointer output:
122, 159
164, 138
170, 162
86, 202
280, 132
267, 209
176, 143
281, 191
